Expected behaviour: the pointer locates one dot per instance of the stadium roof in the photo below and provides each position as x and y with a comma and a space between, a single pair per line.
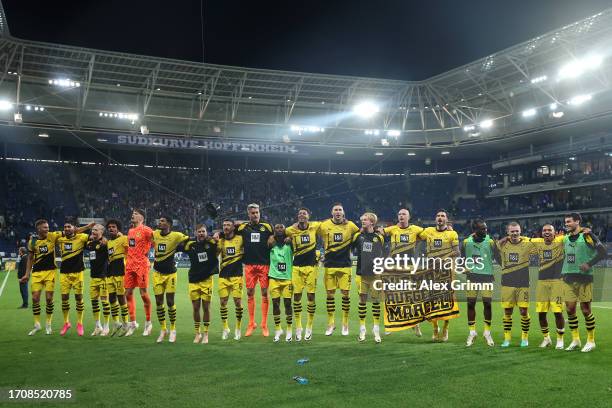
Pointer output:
92, 90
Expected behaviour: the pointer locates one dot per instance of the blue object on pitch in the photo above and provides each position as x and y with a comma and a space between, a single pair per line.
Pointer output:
302, 361
301, 380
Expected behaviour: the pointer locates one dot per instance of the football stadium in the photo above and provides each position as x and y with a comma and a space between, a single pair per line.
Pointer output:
385, 242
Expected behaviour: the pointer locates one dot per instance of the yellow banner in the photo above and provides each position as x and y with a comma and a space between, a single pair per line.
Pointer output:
411, 298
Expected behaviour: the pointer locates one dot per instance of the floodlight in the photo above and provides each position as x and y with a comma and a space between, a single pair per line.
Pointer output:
366, 109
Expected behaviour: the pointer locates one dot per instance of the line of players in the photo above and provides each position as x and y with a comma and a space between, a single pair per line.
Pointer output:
285, 261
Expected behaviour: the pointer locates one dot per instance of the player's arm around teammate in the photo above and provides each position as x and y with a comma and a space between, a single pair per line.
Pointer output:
303, 238
581, 251
230, 249
166, 243
337, 234
281, 266
204, 264
368, 246
481, 248
41, 269
98, 291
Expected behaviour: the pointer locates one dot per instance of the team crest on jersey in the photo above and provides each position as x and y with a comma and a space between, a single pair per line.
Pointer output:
161, 248
68, 246
547, 254
404, 238
337, 237
132, 242
262, 228
305, 239
437, 243
513, 257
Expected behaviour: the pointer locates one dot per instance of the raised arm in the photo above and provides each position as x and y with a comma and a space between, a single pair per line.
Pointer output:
84, 228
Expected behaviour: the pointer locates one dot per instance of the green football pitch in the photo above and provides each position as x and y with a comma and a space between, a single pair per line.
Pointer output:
403, 370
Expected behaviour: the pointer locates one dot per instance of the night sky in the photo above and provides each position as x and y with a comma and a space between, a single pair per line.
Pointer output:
402, 39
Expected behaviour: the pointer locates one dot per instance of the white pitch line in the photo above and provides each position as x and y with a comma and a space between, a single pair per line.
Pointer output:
600, 307
4, 283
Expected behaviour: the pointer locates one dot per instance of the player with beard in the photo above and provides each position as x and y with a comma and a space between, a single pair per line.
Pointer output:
303, 237
582, 251
204, 264
482, 249
337, 234
71, 246
443, 243
117, 245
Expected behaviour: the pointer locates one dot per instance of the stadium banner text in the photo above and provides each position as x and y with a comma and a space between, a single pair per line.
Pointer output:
204, 144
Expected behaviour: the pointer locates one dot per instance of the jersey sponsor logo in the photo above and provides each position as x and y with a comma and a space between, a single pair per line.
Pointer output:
281, 266
161, 248
68, 246
305, 239
132, 242
571, 258
255, 236
202, 257
367, 247
547, 254
230, 251
404, 238
437, 243
111, 251
43, 249
513, 257
92, 255
337, 237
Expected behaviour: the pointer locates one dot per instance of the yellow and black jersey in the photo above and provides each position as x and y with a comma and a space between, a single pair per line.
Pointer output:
117, 249
231, 252
304, 242
402, 240
72, 252
255, 238
43, 251
515, 262
440, 244
550, 257
203, 259
165, 248
337, 240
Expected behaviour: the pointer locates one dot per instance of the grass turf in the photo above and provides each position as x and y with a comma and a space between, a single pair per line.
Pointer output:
402, 370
